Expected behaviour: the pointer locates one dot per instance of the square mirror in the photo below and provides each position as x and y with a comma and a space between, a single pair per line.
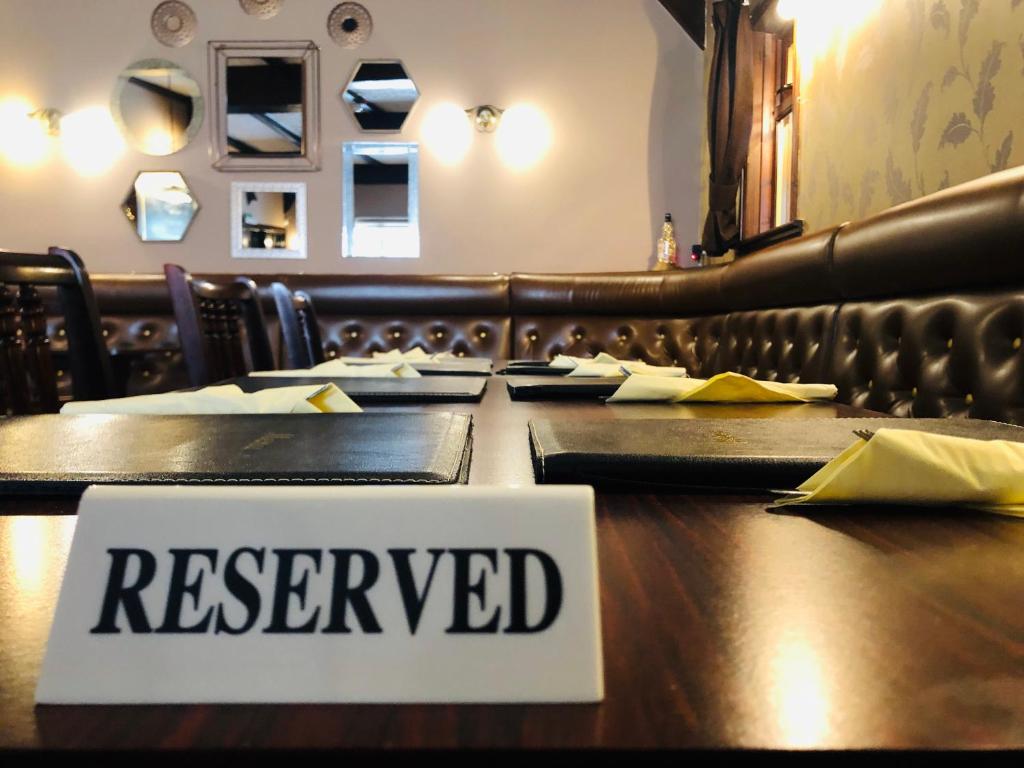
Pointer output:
268, 221
267, 112
380, 200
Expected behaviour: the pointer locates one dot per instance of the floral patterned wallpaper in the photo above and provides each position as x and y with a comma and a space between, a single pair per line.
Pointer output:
926, 94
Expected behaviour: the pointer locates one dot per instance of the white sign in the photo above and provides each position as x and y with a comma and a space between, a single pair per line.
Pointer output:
325, 594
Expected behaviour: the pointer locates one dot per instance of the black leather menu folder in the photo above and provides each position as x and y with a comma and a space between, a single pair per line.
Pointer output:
532, 368
55, 454
550, 388
389, 391
733, 454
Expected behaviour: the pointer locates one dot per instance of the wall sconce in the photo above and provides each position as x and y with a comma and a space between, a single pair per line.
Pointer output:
88, 138
485, 117
50, 118
522, 133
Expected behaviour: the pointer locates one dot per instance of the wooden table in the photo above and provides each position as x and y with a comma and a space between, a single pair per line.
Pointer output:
724, 626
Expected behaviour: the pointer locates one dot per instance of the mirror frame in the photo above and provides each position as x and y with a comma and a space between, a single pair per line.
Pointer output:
198, 105
351, 112
348, 196
191, 221
238, 190
219, 53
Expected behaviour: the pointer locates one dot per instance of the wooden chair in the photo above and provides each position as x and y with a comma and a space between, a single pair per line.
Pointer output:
28, 383
303, 347
220, 326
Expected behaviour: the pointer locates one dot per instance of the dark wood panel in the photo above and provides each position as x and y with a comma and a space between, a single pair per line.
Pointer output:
691, 17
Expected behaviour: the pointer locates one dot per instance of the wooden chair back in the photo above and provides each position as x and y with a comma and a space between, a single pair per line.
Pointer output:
300, 331
28, 380
221, 327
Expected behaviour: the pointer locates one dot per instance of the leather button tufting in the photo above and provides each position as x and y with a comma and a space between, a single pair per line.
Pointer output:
1016, 343
949, 344
969, 399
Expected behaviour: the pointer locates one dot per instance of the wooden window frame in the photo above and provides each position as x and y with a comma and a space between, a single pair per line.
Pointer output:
773, 100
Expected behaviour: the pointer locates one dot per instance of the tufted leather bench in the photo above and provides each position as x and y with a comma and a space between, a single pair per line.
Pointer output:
918, 311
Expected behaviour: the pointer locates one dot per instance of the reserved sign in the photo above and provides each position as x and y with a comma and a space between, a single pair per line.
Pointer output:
255, 594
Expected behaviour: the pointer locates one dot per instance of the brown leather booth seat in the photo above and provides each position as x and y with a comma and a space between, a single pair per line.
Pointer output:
916, 311
359, 314
362, 314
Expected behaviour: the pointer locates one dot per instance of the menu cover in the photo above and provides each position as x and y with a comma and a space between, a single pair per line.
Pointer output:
550, 388
384, 391
726, 454
532, 368
61, 455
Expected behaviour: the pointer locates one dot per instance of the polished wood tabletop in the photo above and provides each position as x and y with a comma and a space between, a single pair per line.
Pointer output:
725, 625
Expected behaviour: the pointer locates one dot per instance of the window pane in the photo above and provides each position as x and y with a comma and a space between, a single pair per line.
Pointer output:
783, 168
380, 200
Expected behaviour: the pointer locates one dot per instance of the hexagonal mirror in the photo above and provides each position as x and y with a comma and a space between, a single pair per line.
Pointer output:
381, 94
160, 206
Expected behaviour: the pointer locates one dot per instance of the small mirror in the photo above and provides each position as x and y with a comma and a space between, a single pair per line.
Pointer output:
381, 95
380, 200
268, 221
267, 109
158, 106
160, 206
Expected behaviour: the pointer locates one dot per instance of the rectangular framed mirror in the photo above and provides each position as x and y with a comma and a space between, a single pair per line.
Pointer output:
266, 105
380, 200
268, 220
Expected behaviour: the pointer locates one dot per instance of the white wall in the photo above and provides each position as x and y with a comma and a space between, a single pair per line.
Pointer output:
618, 80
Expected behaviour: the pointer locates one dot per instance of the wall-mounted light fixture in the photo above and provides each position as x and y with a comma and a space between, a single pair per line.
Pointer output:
522, 133
88, 138
485, 117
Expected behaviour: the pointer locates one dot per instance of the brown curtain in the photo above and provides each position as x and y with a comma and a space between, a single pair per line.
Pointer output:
730, 108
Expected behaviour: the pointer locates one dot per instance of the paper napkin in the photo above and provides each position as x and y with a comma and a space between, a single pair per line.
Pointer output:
622, 369
903, 466
723, 388
416, 354
227, 399
569, 362
339, 369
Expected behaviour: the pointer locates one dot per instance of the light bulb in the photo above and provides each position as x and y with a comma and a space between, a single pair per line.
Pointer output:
524, 136
24, 141
447, 133
90, 140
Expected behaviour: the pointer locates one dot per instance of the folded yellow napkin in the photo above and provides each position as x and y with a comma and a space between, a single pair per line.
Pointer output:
414, 354
569, 362
723, 388
622, 369
339, 369
226, 399
903, 466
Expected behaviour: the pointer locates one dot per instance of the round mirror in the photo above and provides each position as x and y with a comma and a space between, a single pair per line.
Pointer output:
158, 106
